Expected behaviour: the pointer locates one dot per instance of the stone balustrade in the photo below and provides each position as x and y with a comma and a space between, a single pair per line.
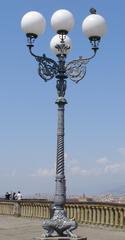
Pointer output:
91, 213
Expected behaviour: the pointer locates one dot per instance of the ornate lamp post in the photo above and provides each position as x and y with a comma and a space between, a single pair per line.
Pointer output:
62, 21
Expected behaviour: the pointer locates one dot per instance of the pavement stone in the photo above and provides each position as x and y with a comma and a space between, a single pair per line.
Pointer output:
18, 228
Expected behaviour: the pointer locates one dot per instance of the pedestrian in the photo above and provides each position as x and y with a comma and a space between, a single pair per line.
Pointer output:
14, 197
7, 196
19, 195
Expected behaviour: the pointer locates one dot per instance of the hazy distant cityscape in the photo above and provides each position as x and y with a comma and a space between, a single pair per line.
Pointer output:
116, 195
120, 199
84, 198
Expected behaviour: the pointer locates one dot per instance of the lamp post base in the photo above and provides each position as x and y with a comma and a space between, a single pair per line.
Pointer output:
60, 224
60, 238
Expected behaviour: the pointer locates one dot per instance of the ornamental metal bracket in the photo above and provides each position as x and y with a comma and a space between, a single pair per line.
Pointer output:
47, 67
76, 69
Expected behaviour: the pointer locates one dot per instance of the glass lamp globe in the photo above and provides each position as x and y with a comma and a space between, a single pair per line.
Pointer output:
57, 41
94, 26
62, 20
33, 23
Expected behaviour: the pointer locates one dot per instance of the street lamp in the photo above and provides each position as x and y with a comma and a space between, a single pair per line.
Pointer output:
62, 21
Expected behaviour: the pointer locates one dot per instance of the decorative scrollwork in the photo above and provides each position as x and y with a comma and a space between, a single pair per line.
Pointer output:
60, 224
47, 68
76, 69
62, 48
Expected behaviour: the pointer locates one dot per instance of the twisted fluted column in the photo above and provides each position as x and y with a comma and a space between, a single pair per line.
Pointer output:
60, 194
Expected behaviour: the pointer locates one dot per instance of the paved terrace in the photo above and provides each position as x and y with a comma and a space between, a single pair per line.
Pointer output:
13, 228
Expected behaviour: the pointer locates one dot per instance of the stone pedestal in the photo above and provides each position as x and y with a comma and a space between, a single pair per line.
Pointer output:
60, 238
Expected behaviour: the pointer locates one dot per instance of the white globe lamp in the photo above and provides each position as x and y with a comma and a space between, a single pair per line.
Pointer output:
57, 41
62, 21
94, 26
33, 23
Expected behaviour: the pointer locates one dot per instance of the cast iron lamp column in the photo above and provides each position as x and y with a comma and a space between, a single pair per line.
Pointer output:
62, 21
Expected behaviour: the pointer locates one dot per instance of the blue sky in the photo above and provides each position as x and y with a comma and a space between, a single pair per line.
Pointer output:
94, 116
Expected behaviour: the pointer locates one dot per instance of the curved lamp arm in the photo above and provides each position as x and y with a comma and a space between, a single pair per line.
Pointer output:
47, 67
76, 69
